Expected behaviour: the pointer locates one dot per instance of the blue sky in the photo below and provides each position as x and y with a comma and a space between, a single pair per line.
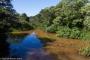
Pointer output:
32, 7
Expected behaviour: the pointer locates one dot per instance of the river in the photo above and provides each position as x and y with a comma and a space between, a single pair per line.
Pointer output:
27, 47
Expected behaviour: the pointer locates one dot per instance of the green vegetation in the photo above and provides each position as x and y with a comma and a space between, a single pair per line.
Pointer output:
10, 20
7, 20
7, 15
69, 33
69, 18
23, 21
85, 51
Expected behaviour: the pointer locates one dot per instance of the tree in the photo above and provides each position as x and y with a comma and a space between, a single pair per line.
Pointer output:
25, 17
7, 20
85, 10
70, 14
69, 10
24, 23
44, 18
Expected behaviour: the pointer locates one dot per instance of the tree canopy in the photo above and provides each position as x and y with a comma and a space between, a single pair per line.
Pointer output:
7, 15
70, 14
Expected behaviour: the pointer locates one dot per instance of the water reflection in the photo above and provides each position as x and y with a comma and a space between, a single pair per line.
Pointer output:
30, 44
31, 41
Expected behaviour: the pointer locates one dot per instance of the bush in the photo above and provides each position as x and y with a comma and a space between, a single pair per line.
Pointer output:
85, 51
63, 32
70, 33
51, 28
86, 35
75, 33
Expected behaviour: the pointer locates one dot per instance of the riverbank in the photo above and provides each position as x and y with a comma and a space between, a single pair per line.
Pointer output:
62, 48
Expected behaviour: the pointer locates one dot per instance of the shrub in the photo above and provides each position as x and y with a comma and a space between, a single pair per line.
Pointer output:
86, 35
85, 51
51, 28
75, 33
63, 32
70, 33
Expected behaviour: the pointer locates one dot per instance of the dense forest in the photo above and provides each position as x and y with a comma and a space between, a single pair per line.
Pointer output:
69, 18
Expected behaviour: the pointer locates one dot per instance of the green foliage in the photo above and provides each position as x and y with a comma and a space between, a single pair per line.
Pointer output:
57, 21
51, 28
87, 22
85, 51
85, 35
23, 23
44, 18
69, 18
85, 10
10, 20
7, 20
74, 33
63, 32
7, 16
